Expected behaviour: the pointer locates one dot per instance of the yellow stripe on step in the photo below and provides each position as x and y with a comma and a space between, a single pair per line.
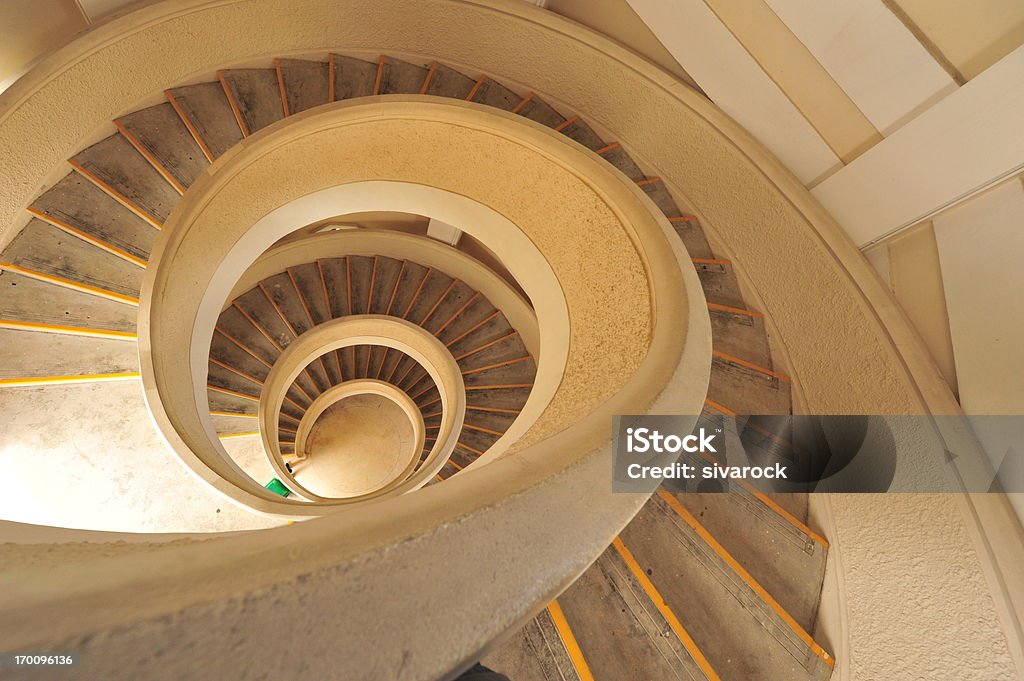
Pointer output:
67, 283
662, 606
701, 532
231, 436
572, 647
68, 330
36, 381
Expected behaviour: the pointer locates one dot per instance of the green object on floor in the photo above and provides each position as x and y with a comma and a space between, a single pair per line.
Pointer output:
277, 487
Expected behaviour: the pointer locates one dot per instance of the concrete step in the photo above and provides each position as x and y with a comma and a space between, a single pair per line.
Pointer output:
502, 349
744, 633
454, 300
31, 354
536, 109
158, 133
492, 93
352, 77
48, 251
536, 652
484, 331
718, 279
475, 312
400, 77
621, 631
512, 372
28, 300
740, 335
386, 279
658, 192
688, 229
306, 83
206, 111
335, 275
620, 158
119, 170
257, 306
235, 327
80, 208
771, 542
576, 129
444, 81
234, 425
311, 286
360, 276
255, 97
746, 391
430, 295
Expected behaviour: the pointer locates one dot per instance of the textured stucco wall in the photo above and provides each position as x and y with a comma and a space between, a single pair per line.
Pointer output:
918, 607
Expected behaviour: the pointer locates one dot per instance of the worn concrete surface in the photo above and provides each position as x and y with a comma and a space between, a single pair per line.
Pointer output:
33, 353
357, 446
89, 456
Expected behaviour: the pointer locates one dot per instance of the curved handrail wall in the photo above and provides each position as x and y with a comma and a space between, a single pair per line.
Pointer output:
616, 224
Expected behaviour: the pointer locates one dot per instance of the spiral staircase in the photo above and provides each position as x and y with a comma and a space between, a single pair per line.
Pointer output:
697, 586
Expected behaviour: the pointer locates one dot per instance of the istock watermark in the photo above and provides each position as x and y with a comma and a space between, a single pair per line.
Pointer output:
848, 453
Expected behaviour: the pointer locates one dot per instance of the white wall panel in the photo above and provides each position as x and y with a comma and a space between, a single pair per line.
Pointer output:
871, 55
965, 142
721, 66
981, 248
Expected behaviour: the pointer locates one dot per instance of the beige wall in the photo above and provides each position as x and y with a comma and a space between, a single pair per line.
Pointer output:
971, 35
32, 28
912, 270
616, 19
980, 244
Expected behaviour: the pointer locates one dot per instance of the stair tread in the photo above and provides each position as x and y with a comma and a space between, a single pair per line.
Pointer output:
579, 131
28, 300
741, 336
257, 95
620, 631
43, 248
536, 109
533, 653
306, 83
162, 133
720, 284
447, 82
208, 111
401, 77
29, 354
117, 164
740, 635
483, 333
353, 77
77, 203
744, 391
787, 563
493, 93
